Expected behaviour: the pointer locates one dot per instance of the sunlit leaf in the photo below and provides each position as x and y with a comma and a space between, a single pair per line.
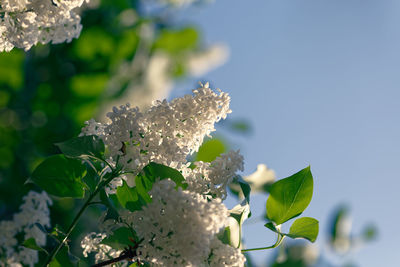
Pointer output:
289, 197
176, 41
210, 150
304, 227
126, 194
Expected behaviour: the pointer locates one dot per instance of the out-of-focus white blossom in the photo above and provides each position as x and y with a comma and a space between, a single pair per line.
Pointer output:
179, 3
24, 23
33, 210
343, 241
156, 82
156, 72
177, 226
260, 178
199, 63
166, 133
91, 243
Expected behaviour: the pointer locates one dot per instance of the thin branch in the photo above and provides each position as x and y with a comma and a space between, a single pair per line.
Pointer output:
124, 256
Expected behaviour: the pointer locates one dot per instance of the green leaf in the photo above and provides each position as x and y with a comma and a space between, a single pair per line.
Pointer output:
143, 186
245, 189
91, 178
272, 227
289, 197
153, 170
304, 227
210, 150
62, 259
126, 194
110, 202
31, 243
136, 197
120, 238
177, 41
225, 236
61, 176
83, 146
240, 188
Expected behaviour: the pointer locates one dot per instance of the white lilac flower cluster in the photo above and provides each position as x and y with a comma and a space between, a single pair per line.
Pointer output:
179, 227
92, 243
24, 23
212, 178
33, 211
167, 133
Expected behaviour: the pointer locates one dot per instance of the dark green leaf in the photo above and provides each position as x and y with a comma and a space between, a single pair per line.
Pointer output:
245, 189
31, 243
272, 227
111, 203
120, 238
62, 259
83, 146
91, 178
61, 176
304, 227
240, 188
289, 197
210, 150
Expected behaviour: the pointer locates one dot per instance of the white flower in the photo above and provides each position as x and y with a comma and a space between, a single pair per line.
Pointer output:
260, 178
213, 178
166, 133
225, 255
91, 243
27, 22
199, 63
33, 210
177, 226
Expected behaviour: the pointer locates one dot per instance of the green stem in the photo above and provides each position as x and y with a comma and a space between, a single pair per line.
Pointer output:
76, 219
277, 243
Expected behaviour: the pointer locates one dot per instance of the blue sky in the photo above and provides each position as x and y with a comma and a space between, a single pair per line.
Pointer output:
319, 81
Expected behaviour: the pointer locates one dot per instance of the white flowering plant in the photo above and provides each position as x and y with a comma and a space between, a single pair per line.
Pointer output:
160, 208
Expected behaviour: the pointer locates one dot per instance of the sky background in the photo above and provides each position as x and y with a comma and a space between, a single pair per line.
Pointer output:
319, 82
